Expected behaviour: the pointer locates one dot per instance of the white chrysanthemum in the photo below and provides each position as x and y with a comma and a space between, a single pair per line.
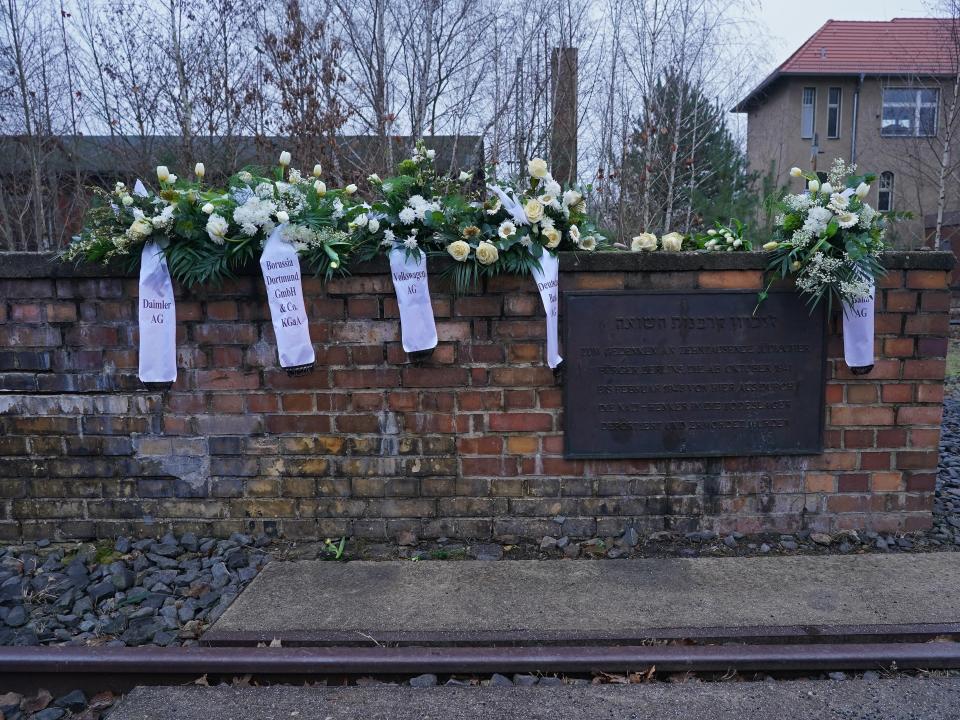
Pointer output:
264, 190
817, 220
338, 208
256, 213
388, 235
410, 243
408, 216
847, 219
552, 187
571, 197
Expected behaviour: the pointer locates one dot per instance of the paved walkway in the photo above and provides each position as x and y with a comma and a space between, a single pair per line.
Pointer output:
902, 699
471, 601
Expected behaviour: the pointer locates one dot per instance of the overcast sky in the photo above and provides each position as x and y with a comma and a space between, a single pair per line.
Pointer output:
793, 21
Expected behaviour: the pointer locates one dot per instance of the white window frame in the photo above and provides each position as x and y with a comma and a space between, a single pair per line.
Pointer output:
838, 106
888, 190
805, 108
917, 105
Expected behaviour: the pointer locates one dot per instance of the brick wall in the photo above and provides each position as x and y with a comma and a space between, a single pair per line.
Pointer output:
466, 444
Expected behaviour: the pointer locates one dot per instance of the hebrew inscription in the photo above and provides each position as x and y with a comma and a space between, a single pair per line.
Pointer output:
692, 374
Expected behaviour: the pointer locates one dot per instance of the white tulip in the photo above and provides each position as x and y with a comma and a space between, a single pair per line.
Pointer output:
795, 172
350, 189
814, 186
772, 245
321, 187
208, 208
826, 189
284, 158
317, 170
374, 179
163, 174
199, 170
862, 190
465, 176
171, 178
283, 216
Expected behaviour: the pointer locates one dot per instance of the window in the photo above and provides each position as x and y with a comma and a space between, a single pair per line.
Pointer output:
834, 98
807, 111
885, 198
910, 112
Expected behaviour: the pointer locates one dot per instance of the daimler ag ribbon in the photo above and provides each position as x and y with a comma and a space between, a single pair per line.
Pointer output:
547, 277
858, 331
157, 312
281, 276
418, 330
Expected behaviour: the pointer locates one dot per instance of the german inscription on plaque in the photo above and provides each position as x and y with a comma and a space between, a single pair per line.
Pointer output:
692, 374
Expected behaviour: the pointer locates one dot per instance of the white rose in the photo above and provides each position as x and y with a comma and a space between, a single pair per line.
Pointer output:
862, 190
672, 241
141, 227
207, 208
283, 216
127, 200
795, 172
350, 189
163, 174
217, 227
284, 158
506, 229
588, 243
199, 170
575, 234
459, 250
465, 176
373, 225
644, 241
534, 210
487, 253
553, 237
431, 154
826, 188
772, 245
321, 187
537, 167
814, 186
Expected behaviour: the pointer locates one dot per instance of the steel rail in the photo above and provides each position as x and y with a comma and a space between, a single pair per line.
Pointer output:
416, 659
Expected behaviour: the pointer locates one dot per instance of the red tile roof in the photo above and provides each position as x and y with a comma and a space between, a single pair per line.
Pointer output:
902, 46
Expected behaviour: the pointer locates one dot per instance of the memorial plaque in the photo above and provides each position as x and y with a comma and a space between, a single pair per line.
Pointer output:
692, 374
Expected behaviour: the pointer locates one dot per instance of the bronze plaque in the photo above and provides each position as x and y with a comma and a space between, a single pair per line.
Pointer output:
692, 374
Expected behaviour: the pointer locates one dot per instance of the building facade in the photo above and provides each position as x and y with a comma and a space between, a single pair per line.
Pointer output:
880, 94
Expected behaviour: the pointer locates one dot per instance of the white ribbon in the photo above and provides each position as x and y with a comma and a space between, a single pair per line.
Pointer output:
157, 312
281, 276
548, 283
158, 317
417, 327
858, 331
511, 205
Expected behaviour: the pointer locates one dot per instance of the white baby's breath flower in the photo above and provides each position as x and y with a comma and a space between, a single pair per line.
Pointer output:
294, 176
284, 158
644, 242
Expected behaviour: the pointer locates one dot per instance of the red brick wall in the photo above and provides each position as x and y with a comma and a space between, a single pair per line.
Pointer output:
466, 444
